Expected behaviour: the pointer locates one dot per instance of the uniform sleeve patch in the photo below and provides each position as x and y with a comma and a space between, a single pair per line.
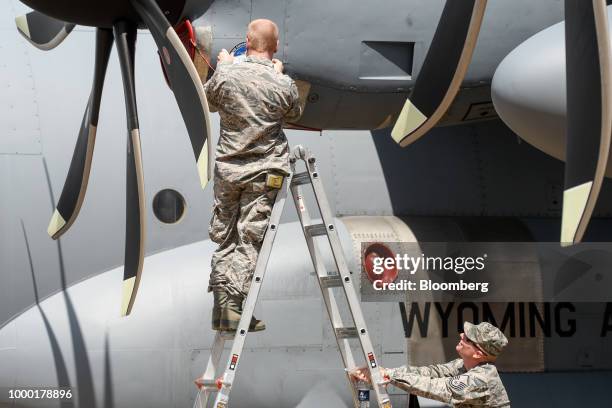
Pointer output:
459, 383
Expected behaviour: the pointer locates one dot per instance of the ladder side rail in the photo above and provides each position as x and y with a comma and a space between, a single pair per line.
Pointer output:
317, 260
344, 345
333, 311
346, 352
327, 218
260, 269
349, 289
331, 305
336, 247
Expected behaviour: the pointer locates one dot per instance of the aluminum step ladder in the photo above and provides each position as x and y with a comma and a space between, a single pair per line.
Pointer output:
345, 329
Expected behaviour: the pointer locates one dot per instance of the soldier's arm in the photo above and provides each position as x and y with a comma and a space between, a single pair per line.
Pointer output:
214, 87
295, 108
449, 369
451, 390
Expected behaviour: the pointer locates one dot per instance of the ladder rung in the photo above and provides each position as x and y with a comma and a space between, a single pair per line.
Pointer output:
208, 385
228, 335
300, 178
346, 332
332, 281
315, 229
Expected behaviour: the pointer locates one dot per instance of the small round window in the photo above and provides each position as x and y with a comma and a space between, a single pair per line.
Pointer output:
169, 206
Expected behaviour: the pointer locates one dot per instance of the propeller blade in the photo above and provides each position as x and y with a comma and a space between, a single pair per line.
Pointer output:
75, 186
135, 221
42, 31
443, 70
185, 83
589, 120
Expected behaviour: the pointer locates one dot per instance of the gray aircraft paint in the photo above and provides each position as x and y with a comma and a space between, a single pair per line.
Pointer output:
458, 171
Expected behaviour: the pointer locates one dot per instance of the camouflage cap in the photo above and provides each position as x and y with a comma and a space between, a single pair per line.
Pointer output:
488, 337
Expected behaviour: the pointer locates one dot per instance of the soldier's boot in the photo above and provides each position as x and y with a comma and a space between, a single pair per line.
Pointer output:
220, 302
231, 314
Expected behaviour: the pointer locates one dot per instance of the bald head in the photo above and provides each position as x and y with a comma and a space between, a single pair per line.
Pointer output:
262, 36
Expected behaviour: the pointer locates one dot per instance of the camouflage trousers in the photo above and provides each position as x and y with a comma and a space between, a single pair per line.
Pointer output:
241, 213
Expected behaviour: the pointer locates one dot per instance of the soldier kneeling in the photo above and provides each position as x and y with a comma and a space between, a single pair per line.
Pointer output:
469, 381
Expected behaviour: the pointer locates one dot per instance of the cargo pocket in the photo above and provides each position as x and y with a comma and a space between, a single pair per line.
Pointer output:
257, 224
219, 227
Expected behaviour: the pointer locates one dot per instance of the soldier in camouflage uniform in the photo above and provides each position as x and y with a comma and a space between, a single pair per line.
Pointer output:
254, 98
469, 381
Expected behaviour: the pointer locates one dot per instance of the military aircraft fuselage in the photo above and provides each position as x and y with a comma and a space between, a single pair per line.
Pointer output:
59, 315
98, 13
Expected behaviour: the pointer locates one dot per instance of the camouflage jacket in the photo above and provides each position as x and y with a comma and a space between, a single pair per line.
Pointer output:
451, 383
253, 101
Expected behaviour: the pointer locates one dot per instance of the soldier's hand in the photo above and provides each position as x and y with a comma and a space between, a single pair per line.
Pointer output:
363, 374
278, 65
360, 374
225, 56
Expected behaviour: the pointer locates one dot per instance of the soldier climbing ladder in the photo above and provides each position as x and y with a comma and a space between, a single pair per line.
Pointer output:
345, 329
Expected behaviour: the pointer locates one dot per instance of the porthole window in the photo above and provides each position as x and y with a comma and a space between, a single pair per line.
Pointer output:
169, 206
